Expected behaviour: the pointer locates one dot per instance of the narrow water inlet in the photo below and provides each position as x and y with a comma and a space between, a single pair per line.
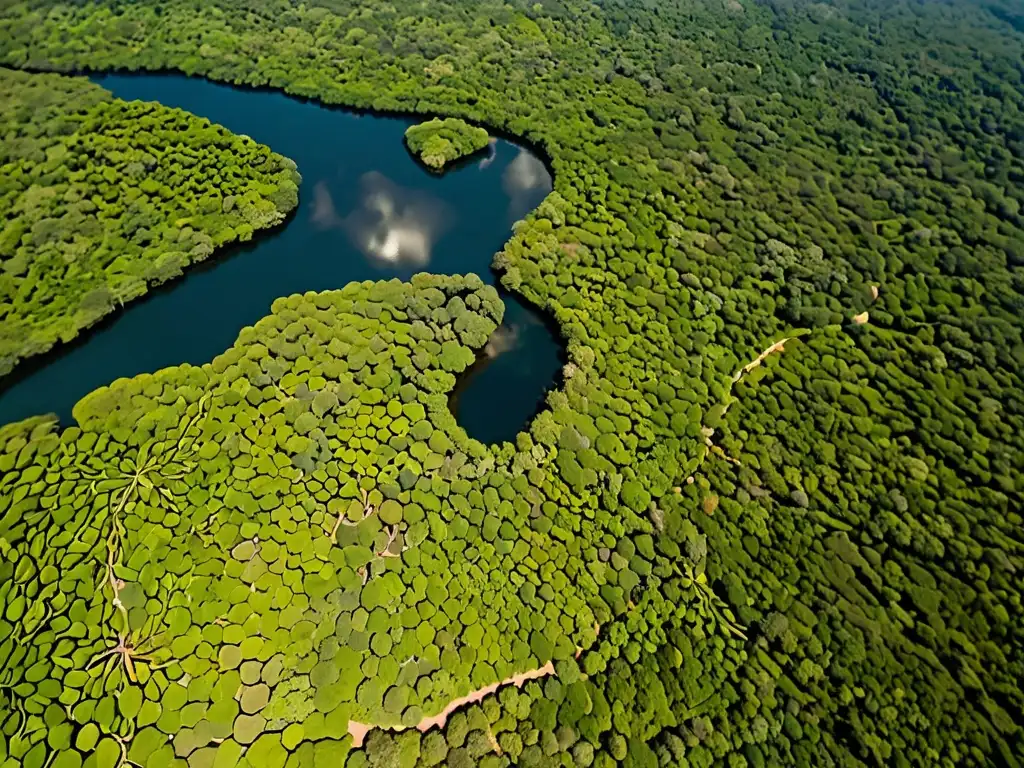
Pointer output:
367, 211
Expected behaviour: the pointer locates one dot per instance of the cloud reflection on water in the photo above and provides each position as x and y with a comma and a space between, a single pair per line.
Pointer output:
324, 215
525, 181
504, 339
492, 152
391, 225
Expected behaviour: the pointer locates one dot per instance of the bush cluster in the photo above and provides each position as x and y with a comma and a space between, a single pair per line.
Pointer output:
776, 503
440, 142
100, 199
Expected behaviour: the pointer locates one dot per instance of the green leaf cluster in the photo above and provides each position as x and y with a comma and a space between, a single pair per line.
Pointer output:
101, 199
440, 142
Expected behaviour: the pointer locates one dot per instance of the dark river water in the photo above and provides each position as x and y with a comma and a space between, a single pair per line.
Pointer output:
367, 211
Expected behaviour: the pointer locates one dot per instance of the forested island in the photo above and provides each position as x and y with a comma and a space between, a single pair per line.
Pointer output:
441, 142
771, 517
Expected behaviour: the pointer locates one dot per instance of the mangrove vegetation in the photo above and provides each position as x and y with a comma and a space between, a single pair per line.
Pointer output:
100, 199
772, 517
440, 142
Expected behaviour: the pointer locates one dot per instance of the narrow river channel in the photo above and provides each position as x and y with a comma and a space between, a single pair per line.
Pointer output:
367, 211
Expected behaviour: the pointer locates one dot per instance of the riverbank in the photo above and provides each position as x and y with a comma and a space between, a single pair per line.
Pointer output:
367, 211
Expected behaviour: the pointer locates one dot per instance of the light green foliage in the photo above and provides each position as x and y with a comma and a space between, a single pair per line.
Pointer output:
439, 142
270, 594
798, 552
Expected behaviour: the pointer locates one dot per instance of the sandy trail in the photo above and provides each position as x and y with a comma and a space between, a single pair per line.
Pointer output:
778, 346
359, 730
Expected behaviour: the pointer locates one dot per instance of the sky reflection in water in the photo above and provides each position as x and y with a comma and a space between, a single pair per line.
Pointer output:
391, 225
367, 211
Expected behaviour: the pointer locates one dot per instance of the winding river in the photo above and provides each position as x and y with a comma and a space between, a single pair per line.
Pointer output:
367, 211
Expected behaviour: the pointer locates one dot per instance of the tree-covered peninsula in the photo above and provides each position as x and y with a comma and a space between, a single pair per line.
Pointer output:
101, 199
772, 517
438, 143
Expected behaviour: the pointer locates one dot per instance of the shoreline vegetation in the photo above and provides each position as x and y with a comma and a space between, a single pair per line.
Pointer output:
838, 585
106, 199
361, 533
438, 143
26, 369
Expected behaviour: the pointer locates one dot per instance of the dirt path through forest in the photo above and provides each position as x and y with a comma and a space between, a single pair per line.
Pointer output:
359, 730
778, 346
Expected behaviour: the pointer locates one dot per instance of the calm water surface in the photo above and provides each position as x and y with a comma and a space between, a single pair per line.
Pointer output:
367, 211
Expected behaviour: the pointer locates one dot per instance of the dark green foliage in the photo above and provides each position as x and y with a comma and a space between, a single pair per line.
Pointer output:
102, 198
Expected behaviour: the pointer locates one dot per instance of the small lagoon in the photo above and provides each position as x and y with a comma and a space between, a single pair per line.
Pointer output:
367, 211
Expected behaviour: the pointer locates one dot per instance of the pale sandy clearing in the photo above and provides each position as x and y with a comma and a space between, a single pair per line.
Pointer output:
359, 730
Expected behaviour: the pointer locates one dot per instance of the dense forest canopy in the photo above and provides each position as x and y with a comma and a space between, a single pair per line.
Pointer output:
100, 199
773, 516
439, 142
